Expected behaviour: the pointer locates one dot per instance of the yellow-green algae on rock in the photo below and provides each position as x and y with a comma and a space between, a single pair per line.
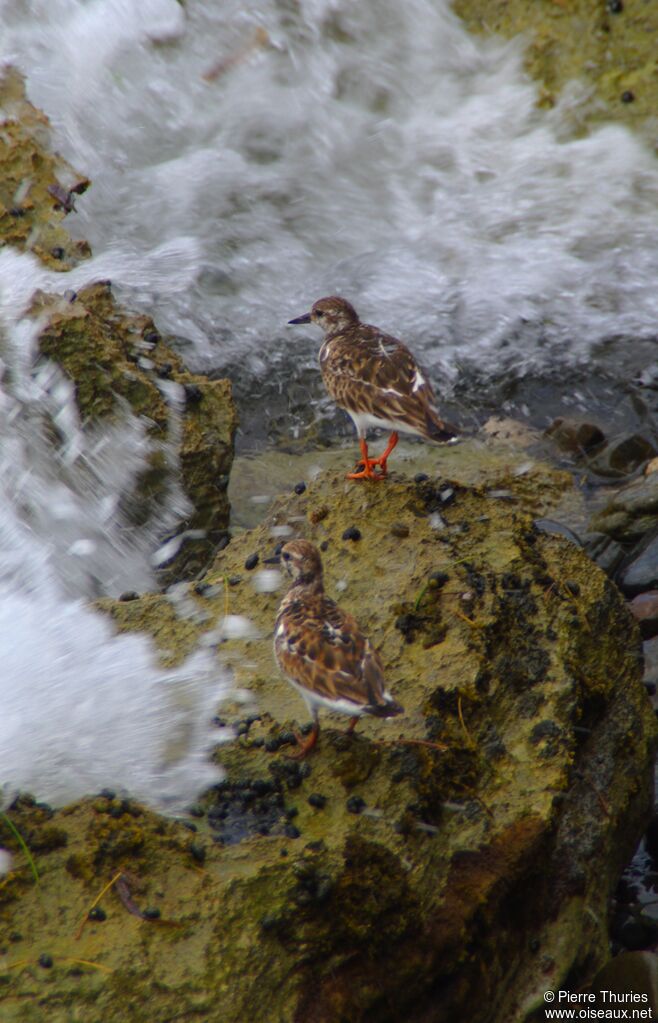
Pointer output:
610, 48
475, 877
36, 185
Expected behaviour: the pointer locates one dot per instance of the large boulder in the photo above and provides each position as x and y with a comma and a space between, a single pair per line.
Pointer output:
449, 864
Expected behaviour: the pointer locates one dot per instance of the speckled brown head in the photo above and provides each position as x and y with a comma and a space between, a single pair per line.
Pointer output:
333, 314
302, 561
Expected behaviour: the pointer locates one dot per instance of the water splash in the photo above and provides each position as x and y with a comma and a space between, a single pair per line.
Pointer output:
82, 708
68, 483
373, 149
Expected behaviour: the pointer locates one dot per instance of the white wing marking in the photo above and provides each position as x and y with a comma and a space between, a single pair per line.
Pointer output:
419, 380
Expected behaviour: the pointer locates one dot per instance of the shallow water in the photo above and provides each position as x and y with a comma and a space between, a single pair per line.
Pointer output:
247, 159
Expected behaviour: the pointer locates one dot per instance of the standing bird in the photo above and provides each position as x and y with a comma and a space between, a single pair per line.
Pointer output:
376, 379
322, 651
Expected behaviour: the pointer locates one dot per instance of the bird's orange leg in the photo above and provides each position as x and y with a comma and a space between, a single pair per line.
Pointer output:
304, 746
381, 461
352, 725
367, 472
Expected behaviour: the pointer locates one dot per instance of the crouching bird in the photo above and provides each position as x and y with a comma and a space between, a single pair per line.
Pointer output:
322, 651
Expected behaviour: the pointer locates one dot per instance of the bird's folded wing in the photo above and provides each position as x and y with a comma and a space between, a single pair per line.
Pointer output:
328, 654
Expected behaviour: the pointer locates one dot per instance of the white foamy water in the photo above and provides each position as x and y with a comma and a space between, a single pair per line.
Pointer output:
65, 481
370, 148
82, 708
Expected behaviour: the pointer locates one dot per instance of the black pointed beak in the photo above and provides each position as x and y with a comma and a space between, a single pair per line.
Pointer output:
306, 318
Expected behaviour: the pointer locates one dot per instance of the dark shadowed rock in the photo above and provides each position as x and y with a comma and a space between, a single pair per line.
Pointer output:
623, 456
631, 513
644, 608
577, 436
642, 572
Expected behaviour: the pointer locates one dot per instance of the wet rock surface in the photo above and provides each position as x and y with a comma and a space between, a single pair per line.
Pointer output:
623, 540
632, 511
350, 885
642, 572
645, 609
577, 436
623, 456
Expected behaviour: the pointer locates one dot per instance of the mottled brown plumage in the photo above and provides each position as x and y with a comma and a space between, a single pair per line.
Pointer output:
321, 649
376, 379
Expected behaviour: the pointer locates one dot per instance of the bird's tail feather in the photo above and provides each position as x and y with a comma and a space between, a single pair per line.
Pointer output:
438, 429
387, 709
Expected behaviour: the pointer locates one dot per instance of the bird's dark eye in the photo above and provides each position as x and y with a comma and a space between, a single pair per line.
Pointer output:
286, 556
318, 312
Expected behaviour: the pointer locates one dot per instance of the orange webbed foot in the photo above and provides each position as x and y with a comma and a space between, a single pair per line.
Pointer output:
366, 471
381, 463
373, 468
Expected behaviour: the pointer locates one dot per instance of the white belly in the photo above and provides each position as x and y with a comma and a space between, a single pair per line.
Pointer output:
314, 702
365, 421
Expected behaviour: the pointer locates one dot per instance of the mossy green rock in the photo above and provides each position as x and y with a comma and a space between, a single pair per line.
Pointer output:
608, 47
451, 864
36, 185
